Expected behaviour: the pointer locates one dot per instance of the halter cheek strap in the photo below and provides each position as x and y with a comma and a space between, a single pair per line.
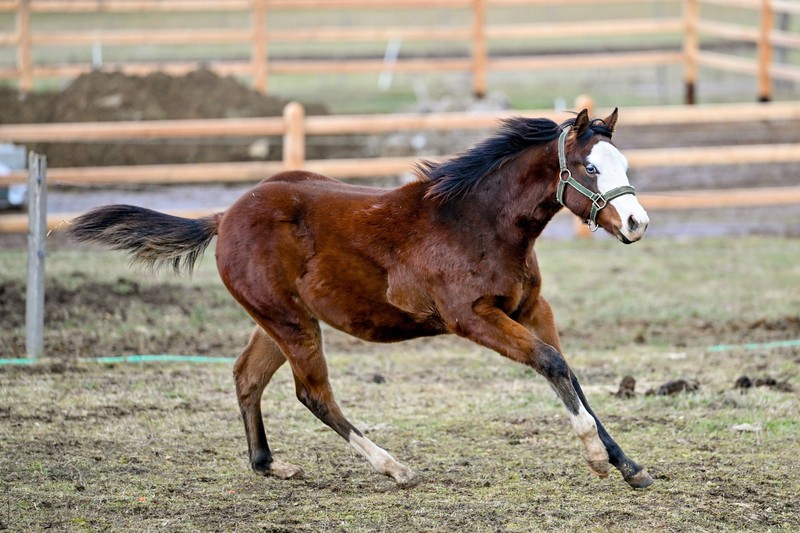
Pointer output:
599, 200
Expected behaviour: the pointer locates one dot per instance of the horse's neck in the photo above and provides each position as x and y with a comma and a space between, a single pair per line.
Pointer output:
529, 192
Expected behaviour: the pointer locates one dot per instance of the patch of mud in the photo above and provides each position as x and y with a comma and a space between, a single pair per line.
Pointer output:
113, 96
685, 333
90, 301
83, 319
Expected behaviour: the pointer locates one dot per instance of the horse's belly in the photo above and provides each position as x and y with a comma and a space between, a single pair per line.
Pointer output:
353, 299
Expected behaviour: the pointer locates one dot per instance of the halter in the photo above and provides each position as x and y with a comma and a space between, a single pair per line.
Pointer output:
599, 200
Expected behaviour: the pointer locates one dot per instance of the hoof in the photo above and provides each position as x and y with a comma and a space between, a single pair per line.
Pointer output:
406, 479
599, 468
640, 480
280, 470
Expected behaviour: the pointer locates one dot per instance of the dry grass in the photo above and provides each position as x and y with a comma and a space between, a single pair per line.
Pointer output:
159, 447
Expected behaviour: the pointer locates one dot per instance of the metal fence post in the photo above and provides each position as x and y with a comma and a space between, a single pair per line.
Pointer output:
37, 228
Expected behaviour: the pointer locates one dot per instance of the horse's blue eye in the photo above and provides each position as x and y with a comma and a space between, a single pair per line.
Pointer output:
591, 169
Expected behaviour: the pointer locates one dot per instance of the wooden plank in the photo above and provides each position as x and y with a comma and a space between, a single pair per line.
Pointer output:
226, 68
735, 32
245, 172
369, 124
372, 34
764, 53
785, 38
367, 65
144, 37
9, 39
480, 51
37, 229
258, 54
727, 62
668, 200
552, 30
751, 197
366, 4
24, 61
159, 174
573, 2
294, 138
125, 6
691, 49
146, 129
785, 72
714, 155
786, 6
707, 113
612, 60
742, 4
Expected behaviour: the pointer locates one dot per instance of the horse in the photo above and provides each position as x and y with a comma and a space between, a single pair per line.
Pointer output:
449, 253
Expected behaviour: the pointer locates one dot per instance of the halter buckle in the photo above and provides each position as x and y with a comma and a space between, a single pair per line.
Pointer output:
596, 202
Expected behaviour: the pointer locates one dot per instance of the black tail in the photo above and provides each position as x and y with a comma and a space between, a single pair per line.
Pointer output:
153, 239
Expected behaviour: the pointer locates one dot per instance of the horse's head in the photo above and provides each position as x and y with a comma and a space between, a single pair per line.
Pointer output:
593, 181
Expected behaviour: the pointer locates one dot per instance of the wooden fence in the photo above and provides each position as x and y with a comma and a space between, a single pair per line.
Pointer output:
764, 36
479, 35
295, 128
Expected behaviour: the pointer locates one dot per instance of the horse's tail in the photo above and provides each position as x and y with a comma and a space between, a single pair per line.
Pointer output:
152, 239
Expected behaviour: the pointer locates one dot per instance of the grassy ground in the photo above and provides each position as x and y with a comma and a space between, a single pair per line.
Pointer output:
159, 447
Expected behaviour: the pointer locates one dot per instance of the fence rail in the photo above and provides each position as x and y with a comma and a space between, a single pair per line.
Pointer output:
479, 35
764, 36
295, 127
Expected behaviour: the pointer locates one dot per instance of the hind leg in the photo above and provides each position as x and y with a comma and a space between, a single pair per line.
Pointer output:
252, 372
313, 389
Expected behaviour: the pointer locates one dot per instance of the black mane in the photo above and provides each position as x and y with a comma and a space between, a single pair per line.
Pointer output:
459, 175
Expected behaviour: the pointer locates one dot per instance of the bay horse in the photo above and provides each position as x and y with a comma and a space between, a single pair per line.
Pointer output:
449, 253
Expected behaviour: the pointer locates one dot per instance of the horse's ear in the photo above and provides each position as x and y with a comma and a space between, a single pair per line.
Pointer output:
611, 120
581, 123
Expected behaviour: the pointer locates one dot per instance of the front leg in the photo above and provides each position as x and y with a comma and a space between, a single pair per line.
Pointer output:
491, 327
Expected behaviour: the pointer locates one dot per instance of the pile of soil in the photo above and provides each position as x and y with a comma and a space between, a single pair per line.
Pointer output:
113, 96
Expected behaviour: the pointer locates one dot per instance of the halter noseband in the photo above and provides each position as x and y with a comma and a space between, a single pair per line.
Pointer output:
599, 200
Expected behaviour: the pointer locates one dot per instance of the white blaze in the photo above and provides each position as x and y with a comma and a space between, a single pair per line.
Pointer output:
612, 172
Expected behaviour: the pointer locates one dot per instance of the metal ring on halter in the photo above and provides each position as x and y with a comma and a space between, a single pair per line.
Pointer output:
561, 174
597, 204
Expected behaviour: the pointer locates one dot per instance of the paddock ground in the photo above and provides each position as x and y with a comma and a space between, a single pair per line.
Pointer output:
160, 447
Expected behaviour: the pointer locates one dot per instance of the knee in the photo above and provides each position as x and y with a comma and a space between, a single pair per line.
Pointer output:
550, 363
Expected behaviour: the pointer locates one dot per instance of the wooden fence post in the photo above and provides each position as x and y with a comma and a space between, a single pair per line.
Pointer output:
259, 51
24, 68
479, 48
765, 52
583, 101
37, 228
294, 136
691, 48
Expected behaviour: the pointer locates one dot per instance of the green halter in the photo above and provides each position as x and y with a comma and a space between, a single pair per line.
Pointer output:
599, 200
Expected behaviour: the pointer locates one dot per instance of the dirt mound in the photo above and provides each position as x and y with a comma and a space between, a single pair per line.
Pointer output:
102, 96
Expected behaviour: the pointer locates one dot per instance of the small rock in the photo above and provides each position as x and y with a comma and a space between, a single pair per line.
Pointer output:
766, 382
673, 387
753, 428
626, 388
377, 378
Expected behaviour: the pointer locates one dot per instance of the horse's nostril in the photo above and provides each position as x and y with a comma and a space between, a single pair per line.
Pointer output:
633, 225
